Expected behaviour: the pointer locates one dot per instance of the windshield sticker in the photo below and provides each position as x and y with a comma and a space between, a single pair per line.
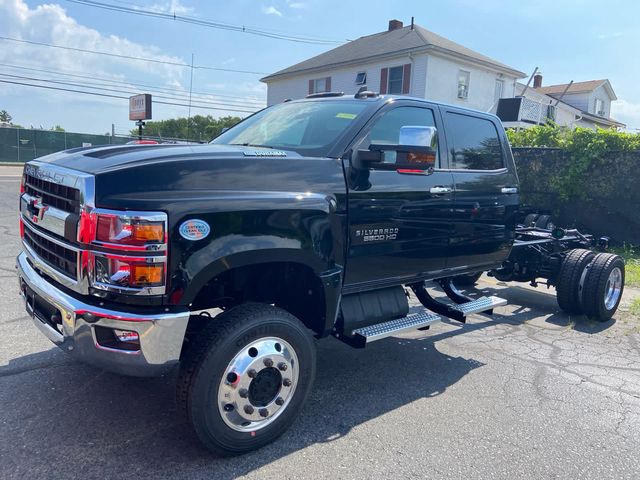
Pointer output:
349, 116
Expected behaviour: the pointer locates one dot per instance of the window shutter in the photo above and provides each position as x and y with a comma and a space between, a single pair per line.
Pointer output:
310, 87
328, 84
406, 79
384, 74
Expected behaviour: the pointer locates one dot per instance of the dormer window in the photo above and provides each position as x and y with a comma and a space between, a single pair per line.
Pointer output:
599, 108
361, 78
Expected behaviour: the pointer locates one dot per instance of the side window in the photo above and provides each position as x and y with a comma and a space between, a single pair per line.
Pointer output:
473, 142
386, 129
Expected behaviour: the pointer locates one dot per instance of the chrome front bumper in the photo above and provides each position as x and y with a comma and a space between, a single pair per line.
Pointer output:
161, 334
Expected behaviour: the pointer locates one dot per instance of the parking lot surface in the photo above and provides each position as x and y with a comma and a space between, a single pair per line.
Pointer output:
526, 394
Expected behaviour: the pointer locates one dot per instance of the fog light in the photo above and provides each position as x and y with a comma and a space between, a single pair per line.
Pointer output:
126, 336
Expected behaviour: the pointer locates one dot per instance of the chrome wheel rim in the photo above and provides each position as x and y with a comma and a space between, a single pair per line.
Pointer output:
258, 384
613, 289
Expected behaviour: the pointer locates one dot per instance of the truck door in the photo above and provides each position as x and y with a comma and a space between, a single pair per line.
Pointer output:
486, 189
399, 224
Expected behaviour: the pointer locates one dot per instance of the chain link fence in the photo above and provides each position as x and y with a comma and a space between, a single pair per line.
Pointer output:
23, 144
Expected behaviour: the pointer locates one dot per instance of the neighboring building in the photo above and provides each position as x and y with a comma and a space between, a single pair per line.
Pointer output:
582, 104
402, 60
593, 98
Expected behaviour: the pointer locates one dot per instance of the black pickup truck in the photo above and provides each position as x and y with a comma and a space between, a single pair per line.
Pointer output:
309, 218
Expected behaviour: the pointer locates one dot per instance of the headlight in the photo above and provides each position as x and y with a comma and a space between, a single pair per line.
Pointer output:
129, 253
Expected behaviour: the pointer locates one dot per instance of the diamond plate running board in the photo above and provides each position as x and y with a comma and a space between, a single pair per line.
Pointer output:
372, 333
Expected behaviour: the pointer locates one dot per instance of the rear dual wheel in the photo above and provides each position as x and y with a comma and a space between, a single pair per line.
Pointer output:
590, 284
603, 286
246, 377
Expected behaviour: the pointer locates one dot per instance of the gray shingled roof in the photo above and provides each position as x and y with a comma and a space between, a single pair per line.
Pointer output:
386, 44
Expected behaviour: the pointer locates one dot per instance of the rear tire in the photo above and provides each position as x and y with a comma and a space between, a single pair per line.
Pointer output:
530, 220
568, 284
544, 221
603, 287
245, 378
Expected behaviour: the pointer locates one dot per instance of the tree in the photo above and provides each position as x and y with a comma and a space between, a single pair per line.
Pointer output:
5, 117
57, 128
199, 127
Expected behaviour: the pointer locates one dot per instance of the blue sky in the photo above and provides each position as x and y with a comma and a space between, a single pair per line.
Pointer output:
568, 40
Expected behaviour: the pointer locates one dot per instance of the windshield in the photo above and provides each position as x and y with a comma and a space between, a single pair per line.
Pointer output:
307, 127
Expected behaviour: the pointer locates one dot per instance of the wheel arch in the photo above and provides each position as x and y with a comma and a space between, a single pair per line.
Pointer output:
293, 279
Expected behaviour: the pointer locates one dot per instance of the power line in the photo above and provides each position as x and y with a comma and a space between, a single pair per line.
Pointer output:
104, 89
129, 57
128, 83
208, 23
124, 98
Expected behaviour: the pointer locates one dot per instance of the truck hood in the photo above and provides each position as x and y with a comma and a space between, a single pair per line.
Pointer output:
105, 158
168, 177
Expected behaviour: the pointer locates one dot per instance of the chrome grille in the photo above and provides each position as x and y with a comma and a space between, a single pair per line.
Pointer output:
53, 194
58, 257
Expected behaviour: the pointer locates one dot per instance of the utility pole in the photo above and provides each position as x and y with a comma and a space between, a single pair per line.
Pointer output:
190, 92
113, 133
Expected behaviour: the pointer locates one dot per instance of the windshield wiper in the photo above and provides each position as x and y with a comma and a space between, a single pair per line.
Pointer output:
251, 145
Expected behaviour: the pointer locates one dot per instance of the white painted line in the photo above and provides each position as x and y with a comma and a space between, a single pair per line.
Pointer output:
12, 176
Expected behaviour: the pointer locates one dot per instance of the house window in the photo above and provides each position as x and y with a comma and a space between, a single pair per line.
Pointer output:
361, 78
320, 85
599, 110
395, 80
499, 88
463, 84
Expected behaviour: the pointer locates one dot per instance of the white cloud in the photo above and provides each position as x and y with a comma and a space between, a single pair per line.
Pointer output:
174, 6
627, 112
608, 35
297, 5
51, 24
271, 10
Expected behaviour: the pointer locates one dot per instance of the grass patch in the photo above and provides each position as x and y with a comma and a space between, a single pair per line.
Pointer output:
631, 257
635, 307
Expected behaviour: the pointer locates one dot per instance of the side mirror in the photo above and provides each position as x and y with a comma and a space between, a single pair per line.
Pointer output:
418, 136
366, 159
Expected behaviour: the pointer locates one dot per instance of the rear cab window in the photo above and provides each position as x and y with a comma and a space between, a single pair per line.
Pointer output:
474, 143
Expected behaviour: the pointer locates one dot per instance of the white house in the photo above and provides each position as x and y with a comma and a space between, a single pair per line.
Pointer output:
593, 98
581, 104
402, 60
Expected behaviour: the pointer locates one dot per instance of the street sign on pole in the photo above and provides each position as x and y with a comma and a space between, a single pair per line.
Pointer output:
140, 107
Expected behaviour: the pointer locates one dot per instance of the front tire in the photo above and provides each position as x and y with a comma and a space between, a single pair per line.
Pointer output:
246, 377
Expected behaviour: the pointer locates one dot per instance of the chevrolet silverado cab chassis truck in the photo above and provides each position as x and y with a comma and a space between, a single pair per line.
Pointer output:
307, 219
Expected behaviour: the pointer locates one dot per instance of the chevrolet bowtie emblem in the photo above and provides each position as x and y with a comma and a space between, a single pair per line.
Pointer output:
37, 209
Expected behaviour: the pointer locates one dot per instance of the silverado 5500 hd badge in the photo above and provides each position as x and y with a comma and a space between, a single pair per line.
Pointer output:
373, 233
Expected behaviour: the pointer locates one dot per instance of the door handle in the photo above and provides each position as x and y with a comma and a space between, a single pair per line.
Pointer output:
439, 190
509, 190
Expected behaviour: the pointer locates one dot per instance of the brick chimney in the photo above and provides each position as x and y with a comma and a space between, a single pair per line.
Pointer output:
395, 25
537, 80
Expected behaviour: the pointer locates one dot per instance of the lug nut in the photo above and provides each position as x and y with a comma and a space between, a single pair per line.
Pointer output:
268, 362
248, 409
252, 373
282, 366
286, 382
280, 401
244, 393
264, 412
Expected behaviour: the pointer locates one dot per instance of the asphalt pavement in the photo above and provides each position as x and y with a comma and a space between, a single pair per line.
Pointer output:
526, 394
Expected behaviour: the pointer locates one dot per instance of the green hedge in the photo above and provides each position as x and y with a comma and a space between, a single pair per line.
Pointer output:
583, 150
